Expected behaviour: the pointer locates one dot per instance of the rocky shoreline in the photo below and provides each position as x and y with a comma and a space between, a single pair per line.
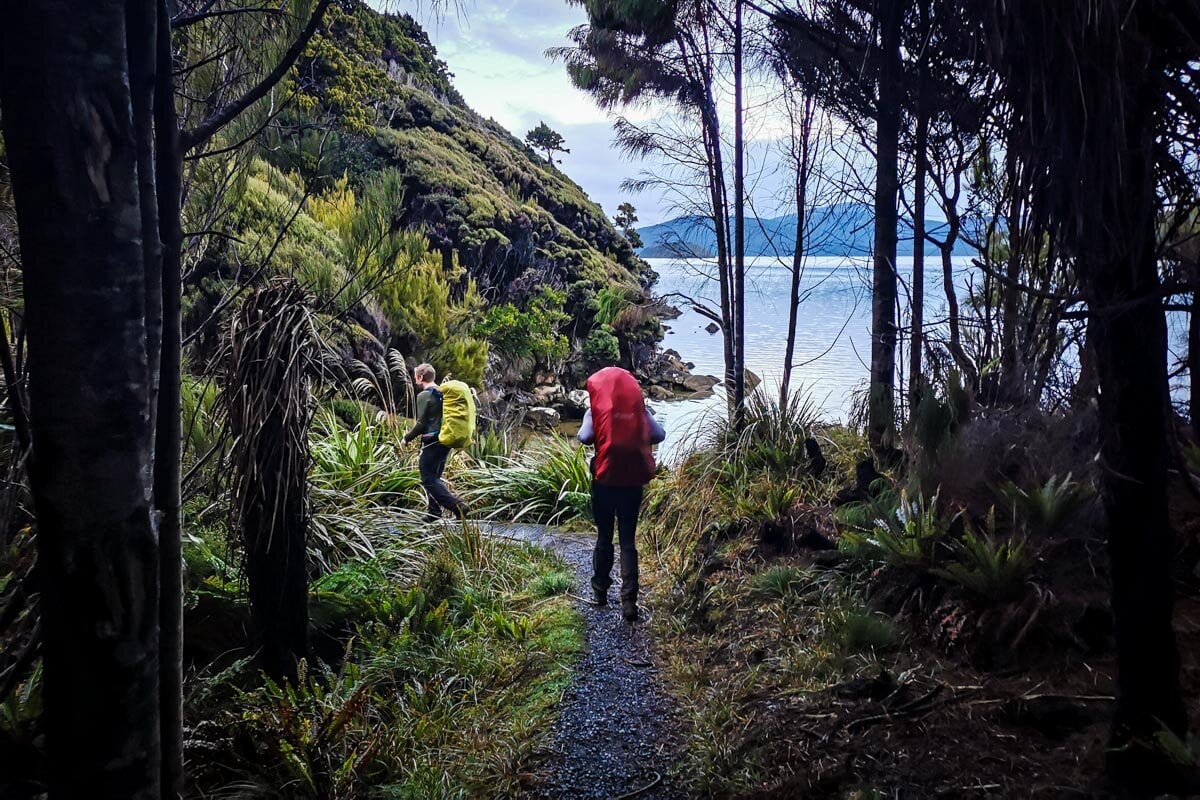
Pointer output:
548, 402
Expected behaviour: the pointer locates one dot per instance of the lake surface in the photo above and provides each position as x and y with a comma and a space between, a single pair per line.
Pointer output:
833, 338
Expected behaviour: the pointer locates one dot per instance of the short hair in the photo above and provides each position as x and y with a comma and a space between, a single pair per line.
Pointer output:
425, 372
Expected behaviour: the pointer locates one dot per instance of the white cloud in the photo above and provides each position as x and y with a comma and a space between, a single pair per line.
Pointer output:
496, 51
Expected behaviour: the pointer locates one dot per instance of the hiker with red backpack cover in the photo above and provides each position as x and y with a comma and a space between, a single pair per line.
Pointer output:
622, 429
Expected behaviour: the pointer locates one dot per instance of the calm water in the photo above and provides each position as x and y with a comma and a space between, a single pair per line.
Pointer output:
833, 340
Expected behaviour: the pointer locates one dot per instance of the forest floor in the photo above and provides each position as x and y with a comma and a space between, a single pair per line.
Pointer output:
775, 709
618, 730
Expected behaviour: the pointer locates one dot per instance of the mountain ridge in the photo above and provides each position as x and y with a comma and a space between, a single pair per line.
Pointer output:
841, 229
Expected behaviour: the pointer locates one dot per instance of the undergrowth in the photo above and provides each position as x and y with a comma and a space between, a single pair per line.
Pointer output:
442, 689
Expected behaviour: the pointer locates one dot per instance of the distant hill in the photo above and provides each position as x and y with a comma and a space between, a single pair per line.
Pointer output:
844, 229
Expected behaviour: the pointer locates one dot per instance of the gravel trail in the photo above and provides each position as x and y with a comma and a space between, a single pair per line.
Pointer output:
616, 736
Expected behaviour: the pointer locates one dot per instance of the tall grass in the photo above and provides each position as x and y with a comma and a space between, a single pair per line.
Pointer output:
549, 482
364, 485
733, 477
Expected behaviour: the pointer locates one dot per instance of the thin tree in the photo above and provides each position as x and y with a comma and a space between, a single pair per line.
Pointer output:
848, 54
546, 139
803, 153
625, 219
632, 52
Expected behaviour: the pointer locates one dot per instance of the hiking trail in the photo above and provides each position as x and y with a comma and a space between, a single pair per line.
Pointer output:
616, 735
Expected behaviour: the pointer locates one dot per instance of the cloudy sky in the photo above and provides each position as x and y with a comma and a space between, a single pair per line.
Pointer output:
495, 48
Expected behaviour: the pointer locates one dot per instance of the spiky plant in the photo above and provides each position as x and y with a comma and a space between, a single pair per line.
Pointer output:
550, 482
385, 382
907, 535
1046, 509
268, 407
992, 567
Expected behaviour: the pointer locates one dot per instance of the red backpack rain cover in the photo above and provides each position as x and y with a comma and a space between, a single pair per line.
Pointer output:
622, 435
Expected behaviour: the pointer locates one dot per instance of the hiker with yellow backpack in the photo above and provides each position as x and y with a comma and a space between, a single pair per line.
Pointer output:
445, 421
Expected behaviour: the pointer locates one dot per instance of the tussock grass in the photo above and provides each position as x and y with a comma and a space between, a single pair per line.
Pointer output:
858, 630
780, 581
549, 482
552, 583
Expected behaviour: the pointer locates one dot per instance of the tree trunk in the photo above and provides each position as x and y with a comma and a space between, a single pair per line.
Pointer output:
803, 162
881, 403
269, 413
789, 352
920, 158
1011, 360
711, 132
1194, 365
1131, 358
739, 226
1109, 216
169, 432
68, 122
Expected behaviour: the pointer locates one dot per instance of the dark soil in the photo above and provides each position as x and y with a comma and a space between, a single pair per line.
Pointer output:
617, 732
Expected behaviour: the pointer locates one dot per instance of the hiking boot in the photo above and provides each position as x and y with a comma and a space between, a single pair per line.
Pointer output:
629, 609
599, 598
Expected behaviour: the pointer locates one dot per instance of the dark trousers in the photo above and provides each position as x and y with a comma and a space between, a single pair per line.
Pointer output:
620, 505
432, 464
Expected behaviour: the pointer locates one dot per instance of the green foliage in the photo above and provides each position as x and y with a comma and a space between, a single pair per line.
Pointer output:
533, 332
345, 76
402, 275
547, 140
423, 701
772, 436
357, 476
350, 413
994, 569
626, 217
780, 581
21, 710
1047, 508
550, 482
601, 348
937, 417
857, 630
910, 534
552, 583
492, 447
611, 301
766, 499
201, 428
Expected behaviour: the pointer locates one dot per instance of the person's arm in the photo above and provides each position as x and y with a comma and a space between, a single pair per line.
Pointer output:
657, 432
421, 427
586, 434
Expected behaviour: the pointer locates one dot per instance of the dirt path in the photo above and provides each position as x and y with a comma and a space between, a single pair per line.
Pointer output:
616, 736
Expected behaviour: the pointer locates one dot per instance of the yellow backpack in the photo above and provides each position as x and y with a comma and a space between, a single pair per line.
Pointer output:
458, 415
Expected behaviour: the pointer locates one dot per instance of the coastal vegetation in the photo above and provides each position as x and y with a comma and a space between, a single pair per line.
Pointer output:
229, 231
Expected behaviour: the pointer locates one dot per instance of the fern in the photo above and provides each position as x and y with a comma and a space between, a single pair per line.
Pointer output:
989, 567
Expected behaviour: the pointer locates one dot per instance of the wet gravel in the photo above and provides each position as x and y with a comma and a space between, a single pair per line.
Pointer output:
617, 733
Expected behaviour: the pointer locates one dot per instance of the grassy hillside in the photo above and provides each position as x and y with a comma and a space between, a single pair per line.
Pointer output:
511, 218
416, 224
